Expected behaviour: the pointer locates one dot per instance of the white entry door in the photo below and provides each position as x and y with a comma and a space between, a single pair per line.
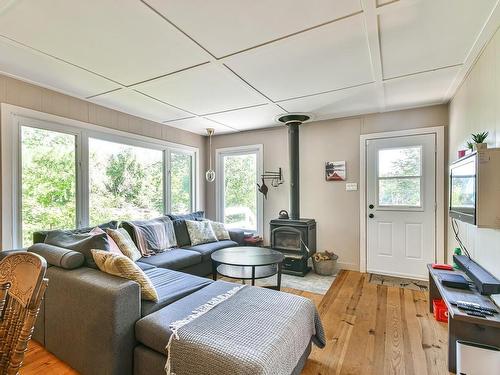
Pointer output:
401, 205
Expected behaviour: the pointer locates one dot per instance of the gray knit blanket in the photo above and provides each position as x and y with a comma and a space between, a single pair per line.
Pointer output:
245, 331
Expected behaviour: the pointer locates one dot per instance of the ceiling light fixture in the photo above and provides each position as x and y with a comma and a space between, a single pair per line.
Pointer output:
210, 174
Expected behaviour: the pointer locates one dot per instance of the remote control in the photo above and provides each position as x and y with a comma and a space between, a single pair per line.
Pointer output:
476, 313
465, 305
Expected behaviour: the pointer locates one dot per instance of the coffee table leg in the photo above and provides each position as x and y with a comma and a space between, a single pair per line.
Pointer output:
253, 275
214, 270
279, 276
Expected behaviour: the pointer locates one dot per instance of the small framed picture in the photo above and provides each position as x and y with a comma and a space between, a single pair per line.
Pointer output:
335, 171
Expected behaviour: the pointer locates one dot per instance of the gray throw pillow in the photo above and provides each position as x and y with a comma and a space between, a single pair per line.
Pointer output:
81, 243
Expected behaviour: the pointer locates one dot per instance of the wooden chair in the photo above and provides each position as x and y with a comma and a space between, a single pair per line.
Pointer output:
22, 286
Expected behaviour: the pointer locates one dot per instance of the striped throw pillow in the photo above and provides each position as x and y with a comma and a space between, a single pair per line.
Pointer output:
125, 243
120, 265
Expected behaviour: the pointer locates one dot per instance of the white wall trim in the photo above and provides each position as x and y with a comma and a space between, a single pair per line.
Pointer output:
11, 116
219, 193
440, 183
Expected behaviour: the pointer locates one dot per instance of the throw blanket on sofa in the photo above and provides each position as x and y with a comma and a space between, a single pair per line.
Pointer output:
246, 331
154, 236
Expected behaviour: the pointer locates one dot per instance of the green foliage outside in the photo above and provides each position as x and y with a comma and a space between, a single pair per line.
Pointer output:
48, 181
240, 191
401, 191
180, 182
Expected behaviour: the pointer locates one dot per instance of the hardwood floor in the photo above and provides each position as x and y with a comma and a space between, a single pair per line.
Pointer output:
371, 330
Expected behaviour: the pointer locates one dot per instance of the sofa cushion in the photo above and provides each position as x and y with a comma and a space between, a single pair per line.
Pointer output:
207, 249
175, 259
198, 215
200, 232
153, 331
171, 286
121, 266
81, 243
220, 230
145, 266
41, 235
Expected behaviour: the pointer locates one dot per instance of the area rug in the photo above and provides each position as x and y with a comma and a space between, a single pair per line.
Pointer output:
399, 282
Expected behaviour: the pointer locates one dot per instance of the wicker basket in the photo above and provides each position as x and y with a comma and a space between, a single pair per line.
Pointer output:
325, 267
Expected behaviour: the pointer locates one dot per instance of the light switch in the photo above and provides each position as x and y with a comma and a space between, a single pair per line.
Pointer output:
351, 186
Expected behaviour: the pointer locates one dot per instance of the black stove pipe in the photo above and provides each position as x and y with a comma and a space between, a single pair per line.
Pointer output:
293, 151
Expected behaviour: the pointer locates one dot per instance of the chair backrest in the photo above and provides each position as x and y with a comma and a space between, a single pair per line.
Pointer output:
22, 286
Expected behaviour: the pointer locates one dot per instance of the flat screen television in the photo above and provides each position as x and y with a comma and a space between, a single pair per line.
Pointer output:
463, 189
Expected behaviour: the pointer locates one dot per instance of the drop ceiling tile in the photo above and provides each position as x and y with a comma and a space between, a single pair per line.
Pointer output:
137, 104
228, 26
46, 71
430, 34
199, 125
419, 89
355, 100
330, 57
123, 40
249, 118
205, 89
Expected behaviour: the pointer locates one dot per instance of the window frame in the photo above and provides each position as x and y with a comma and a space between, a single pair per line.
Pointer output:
220, 153
168, 177
13, 118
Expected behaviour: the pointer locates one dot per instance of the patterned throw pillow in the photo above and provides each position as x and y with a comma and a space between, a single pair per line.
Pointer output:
113, 247
125, 243
200, 232
120, 265
220, 231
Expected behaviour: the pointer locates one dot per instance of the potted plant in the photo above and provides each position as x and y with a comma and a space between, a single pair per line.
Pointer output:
324, 263
478, 140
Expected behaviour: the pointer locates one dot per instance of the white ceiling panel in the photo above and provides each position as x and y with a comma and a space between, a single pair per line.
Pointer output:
49, 72
123, 40
419, 89
137, 104
199, 125
430, 34
331, 57
228, 26
249, 118
355, 100
205, 89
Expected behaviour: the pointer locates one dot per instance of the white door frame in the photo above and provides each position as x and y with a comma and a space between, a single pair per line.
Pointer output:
440, 183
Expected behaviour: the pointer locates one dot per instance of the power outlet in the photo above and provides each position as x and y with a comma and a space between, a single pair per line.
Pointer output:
351, 186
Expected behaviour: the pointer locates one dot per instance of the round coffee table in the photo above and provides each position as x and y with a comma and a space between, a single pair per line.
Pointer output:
247, 263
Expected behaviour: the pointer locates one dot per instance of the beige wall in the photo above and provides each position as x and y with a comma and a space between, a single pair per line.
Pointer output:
25, 95
476, 107
335, 210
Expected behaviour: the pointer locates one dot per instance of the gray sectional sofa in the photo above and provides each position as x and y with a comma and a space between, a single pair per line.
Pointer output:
88, 317
98, 323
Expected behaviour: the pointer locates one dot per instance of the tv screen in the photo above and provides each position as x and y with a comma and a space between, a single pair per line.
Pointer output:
463, 189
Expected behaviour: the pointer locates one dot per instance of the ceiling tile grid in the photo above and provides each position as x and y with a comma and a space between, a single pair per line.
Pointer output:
236, 65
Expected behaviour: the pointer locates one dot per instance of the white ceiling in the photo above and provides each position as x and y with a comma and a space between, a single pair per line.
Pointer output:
235, 65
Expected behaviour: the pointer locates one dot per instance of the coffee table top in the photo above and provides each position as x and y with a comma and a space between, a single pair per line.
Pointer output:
247, 256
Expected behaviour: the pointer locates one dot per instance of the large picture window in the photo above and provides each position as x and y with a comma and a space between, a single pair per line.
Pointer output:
239, 202
64, 174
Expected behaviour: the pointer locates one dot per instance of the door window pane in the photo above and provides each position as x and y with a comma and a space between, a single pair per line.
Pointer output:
399, 176
399, 192
399, 162
125, 182
48, 181
181, 182
240, 191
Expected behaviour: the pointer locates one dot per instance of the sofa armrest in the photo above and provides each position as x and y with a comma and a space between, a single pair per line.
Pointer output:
58, 256
237, 235
90, 318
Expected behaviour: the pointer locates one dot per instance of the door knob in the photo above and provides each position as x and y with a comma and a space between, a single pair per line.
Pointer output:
371, 206
371, 216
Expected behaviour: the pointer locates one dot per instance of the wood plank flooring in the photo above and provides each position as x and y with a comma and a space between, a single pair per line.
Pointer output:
371, 330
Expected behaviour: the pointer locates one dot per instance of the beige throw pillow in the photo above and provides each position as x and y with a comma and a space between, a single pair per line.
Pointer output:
120, 265
220, 231
125, 243
200, 232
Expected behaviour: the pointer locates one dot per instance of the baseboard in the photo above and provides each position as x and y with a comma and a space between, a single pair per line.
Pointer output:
348, 266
